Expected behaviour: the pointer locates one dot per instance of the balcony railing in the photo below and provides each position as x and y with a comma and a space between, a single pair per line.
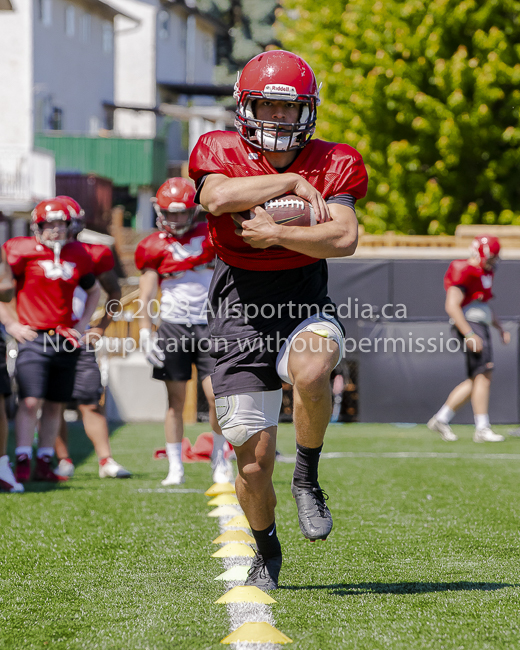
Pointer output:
26, 177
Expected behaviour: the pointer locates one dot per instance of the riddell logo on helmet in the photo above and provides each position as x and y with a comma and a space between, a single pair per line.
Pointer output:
280, 89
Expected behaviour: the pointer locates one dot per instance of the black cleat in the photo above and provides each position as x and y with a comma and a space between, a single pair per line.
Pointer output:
264, 573
313, 515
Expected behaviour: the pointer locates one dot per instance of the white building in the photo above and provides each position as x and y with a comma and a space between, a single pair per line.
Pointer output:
56, 73
164, 61
84, 84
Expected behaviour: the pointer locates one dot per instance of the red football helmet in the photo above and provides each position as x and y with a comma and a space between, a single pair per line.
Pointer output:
175, 206
280, 76
76, 212
486, 248
50, 211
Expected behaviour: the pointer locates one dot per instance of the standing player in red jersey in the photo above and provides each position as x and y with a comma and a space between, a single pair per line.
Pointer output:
270, 283
179, 258
87, 382
468, 285
47, 269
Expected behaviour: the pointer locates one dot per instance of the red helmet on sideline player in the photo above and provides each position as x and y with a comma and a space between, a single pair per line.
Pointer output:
175, 206
278, 76
49, 211
486, 248
76, 212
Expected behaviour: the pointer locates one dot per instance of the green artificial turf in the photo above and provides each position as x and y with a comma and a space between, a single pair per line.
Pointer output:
424, 552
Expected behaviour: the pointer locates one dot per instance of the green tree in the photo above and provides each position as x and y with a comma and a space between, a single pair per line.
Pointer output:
429, 92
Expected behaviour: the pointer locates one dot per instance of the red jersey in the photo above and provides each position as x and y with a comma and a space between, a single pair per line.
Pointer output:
473, 280
170, 255
101, 256
329, 167
44, 289
181, 263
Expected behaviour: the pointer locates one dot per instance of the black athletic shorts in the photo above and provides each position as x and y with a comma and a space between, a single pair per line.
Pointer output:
251, 313
45, 367
87, 383
5, 380
184, 345
477, 363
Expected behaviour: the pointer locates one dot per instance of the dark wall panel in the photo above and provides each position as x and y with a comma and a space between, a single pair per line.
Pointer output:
356, 282
411, 386
418, 284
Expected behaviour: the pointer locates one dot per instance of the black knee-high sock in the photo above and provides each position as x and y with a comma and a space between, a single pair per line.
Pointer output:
306, 470
267, 542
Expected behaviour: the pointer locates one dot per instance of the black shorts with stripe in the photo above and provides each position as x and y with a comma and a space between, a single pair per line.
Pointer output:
477, 363
87, 383
46, 367
251, 313
184, 345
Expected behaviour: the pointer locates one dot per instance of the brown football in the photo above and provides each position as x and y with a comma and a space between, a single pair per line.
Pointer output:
288, 210
291, 210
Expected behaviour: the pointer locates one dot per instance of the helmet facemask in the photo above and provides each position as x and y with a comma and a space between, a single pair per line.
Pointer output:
176, 220
38, 230
267, 135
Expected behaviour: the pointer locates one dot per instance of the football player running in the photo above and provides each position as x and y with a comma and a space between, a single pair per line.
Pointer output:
270, 285
8, 482
468, 285
87, 382
47, 268
179, 258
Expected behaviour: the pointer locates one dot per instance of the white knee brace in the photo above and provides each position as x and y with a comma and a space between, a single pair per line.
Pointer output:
241, 416
325, 326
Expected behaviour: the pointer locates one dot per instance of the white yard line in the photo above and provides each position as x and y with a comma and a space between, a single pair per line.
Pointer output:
405, 454
169, 490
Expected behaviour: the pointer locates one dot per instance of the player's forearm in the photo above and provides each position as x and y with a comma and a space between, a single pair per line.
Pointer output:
8, 314
113, 299
148, 285
6, 283
221, 195
91, 303
110, 284
321, 241
496, 323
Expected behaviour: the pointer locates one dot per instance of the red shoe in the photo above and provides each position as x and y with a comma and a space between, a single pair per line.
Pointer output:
43, 471
22, 470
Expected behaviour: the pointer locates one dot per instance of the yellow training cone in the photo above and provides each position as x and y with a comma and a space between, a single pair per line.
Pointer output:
238, 572
257, 633
234, 536
240, 521
245, 595
235, 549
223, 500
220, 488
224, 511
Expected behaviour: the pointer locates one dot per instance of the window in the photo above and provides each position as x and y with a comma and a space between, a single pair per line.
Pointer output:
70, 21
164, 24
56, 119
208, 48
85, 27
108, 37
45, 12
